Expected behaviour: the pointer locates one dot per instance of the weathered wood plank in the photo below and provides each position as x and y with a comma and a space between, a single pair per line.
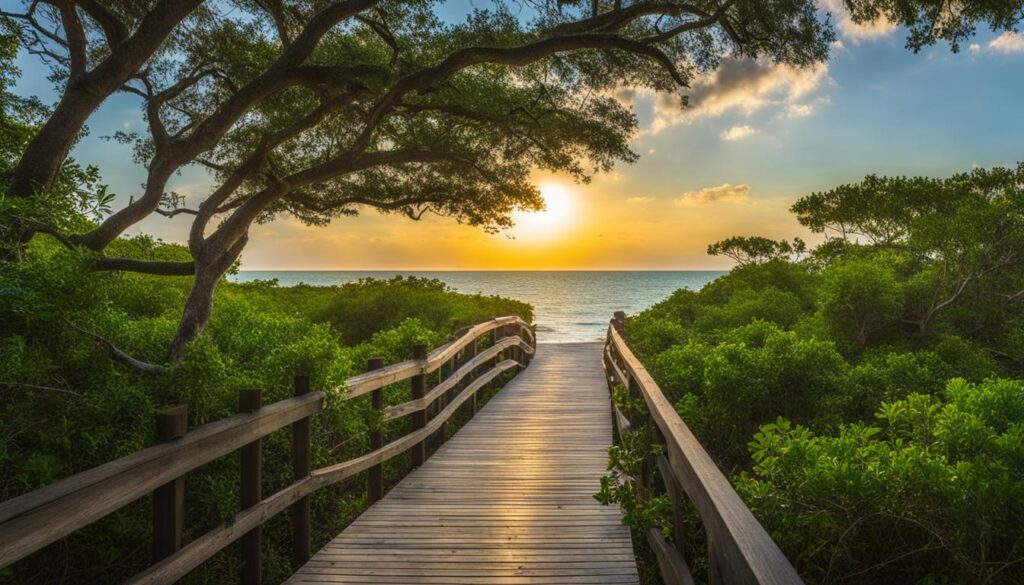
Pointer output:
204, 547
406, 408
370, 381
508, 499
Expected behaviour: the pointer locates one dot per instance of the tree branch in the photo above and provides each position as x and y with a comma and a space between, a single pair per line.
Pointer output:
75, 38
118, 354
145, 267
115, 30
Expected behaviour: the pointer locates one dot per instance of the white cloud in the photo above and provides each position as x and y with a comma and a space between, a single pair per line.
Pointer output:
799, 110
639, 200
738, 132
1008, 42
651, 151
708, 195
974, 47
852, 31
746, 85
838, 45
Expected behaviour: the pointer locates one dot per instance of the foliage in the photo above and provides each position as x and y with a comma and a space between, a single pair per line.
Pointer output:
377, 105
67, 407
935, 494
756, 249
859, 298
627, 461
864, 399
964, 233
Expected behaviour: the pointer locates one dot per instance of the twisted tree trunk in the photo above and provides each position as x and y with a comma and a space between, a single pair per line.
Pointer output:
210, 266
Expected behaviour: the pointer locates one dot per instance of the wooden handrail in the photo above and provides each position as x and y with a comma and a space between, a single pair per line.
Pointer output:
201, 549
33, 520
741, 551
406, 408
370, 381
36, 519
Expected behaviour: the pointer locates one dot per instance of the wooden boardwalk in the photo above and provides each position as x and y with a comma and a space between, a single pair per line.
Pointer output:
508, 500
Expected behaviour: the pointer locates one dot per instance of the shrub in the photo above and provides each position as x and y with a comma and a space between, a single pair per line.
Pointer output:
66, 406
859, 299
933, 495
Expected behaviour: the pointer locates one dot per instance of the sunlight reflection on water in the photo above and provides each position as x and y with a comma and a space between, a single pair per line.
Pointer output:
568, 306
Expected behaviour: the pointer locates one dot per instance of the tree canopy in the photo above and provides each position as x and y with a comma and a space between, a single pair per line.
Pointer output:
317, 109
747, 250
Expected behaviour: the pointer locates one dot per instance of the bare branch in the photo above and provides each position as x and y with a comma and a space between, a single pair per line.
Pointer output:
176, 211
120, 355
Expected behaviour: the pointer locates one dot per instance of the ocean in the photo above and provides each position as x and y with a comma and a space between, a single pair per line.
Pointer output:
568, 306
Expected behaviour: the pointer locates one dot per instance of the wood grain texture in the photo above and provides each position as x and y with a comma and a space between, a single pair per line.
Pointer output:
740, 550
202, 548
370, 381
508, 500
33, 520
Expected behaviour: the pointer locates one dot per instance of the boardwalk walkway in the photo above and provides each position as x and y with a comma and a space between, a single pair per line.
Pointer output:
507, 500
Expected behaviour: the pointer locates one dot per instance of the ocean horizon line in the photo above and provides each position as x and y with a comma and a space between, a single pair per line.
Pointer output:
722, 270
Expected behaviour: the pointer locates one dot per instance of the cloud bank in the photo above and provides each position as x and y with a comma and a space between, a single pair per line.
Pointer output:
744, 85
708, 195
1008, 43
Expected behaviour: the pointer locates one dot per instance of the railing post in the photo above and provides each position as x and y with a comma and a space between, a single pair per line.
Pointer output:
470, 354
435, 405
493, 335
418, 387
375, 475
517, 352
250, 400
169, 499
300, 470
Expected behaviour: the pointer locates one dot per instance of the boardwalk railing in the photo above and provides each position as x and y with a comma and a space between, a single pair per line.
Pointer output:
33, 520
740, 551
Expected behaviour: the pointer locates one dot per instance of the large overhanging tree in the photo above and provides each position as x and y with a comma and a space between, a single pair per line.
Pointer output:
315, 109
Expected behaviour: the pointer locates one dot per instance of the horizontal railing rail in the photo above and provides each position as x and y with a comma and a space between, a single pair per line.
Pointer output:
740, 550
33, 520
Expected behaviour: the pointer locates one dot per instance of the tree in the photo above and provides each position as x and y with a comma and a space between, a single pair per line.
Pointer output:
964, 234
316, 109
756, 249
95, 47
929, 21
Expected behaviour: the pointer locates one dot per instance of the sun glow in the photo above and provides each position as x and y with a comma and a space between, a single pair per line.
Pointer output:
554, 220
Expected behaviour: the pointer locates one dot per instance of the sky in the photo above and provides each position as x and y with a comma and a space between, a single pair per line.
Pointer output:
755, 138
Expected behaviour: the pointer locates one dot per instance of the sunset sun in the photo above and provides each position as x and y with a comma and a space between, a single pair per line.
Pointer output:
557, 216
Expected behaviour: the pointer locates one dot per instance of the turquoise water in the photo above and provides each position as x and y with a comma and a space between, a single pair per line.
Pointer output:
568, 306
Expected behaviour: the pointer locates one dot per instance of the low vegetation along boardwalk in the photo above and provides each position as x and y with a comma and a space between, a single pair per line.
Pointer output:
508, 499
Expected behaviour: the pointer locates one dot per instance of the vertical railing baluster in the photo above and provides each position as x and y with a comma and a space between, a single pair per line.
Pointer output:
300, 469
493, 336
469, 355
375, 475
250, 400
418, 387
169, 499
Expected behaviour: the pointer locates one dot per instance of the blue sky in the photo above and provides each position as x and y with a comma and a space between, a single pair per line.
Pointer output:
730, 165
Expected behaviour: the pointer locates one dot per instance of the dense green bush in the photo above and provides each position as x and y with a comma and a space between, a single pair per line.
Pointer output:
864, 398
66, 406
933, 495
